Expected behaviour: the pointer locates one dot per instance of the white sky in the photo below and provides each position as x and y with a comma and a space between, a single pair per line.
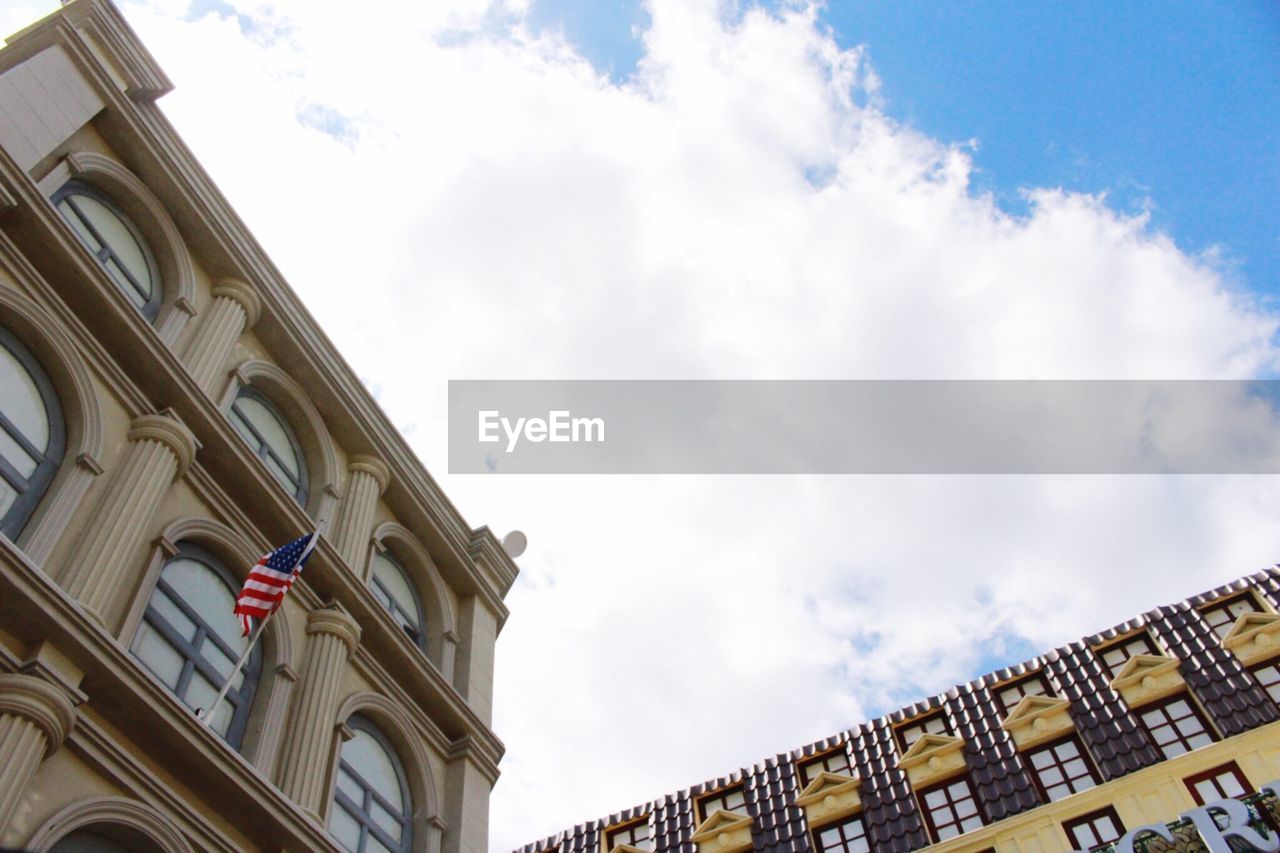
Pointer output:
456, 197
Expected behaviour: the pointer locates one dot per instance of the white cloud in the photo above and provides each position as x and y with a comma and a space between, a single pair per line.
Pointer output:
490, 206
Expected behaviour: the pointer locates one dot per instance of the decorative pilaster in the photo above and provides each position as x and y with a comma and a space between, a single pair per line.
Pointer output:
332, 637
235, 307
160, 451
35, 717
368, 480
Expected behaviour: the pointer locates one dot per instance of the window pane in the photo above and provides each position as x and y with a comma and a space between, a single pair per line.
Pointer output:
283, 477
7, 497
271, 429
68, 213
367, 757
1230, 785
344, 828
200, 588
349, 786
386, 820
175, 618
394, 582
81, 841
22, 403
121, 241
160, 657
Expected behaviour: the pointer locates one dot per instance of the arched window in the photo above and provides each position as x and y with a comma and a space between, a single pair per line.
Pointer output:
115, 241
190, 639
32, 434
87, 841
371, 803
391, 586
271, 437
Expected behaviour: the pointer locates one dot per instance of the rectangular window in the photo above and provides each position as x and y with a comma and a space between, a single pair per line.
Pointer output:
635, 834
1224, 782
951, 808
1268, 676
1222, 615
1116, 655
726, 799
836, 761
1062, 769
1095, 829
909, 733
1175, 726
848, 836
1009, 695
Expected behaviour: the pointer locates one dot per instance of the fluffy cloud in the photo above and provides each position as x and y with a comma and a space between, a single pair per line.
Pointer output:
457, 196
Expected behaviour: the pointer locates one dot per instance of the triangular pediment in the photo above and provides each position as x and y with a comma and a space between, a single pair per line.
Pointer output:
930, 745
628, 848
1140, 666
1250, 624
827, 784
720, 821
1032, 708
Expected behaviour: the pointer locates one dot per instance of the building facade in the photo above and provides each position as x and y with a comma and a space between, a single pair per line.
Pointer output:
1161, 734
169, 412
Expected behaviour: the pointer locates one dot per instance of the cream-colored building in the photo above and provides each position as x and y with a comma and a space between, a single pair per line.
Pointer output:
169, 411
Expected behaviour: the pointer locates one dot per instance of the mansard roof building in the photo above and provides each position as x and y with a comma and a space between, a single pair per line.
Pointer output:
1125, 732
169, 412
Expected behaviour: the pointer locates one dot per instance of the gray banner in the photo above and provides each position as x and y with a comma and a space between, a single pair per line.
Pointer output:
863, 427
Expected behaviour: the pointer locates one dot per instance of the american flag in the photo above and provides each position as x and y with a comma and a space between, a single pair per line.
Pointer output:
271, 578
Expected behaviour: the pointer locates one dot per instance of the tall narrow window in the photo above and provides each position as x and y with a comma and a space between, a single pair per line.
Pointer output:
1175, 726
1061, 769
391, 586
951, 808
371, 802
1268, 676
847, 836
1095, 829
191, 640
270, 436
31, 434
115, 241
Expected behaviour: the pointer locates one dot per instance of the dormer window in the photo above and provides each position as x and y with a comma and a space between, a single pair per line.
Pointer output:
116, 243
1176, 726
951, 809
1117, 654
836, 761
908, 733
1222, 615
1061, 769
847, 836
633, 835
1008, 696
732, 799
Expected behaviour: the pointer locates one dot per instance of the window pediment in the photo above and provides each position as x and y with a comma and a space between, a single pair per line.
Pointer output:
1254, 637
1037, 719
1147, 678
830, 796
724, 832
933, 758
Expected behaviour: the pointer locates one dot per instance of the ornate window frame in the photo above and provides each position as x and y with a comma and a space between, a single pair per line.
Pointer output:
433, 594
47, 459
132, 815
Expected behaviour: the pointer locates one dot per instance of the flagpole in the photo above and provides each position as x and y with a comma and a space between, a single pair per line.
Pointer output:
206, 716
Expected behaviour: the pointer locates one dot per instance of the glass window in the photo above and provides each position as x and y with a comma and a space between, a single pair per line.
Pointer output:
1116, 655
1222, 616
115, 241
832, 762
1061, 769
909, 733
951, 808
31, 434
1268, 676
391, 586
84, 841
635, 835
1095, 829
848, 836
258, 420
371, 804
1224, 782
1175, 727
1008, 696
191, 640
727, 799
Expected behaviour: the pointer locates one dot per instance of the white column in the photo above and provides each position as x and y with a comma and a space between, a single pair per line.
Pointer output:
367, 481
332, 637
160, 451
35, 717
235, 307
